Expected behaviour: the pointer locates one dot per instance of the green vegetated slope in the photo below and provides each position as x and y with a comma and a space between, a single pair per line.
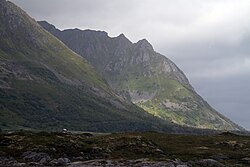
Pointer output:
143, 76
45, 85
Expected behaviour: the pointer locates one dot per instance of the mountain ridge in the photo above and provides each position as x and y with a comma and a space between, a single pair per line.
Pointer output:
145, 77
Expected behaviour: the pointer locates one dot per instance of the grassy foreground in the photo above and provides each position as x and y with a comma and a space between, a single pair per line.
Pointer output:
227, 148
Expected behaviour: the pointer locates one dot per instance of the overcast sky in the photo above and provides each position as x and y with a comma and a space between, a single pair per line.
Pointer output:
208, 39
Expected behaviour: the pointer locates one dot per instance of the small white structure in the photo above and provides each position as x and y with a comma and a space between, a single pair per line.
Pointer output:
64, 131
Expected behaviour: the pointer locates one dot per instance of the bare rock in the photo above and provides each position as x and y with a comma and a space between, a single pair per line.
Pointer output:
7, 161
181, 166
219, 157
208, 163
60, 162
41, 157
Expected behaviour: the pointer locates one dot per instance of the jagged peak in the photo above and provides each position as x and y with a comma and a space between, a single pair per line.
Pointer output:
122, 40
122, 37
143, 43
144, 40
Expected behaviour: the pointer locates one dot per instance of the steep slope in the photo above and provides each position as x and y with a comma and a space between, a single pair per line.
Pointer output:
143, 76
45, 85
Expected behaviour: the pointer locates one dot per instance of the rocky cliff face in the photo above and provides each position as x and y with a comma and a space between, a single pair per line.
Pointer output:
143, 76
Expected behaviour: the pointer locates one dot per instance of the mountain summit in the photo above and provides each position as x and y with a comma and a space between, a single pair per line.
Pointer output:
143, 76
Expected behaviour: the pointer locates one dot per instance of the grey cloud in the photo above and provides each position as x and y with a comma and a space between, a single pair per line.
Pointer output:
209, 40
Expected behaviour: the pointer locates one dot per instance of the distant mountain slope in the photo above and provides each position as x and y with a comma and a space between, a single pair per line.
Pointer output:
44, 85
143, 76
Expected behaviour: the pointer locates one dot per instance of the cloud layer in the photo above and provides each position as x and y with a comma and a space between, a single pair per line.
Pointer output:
209, 40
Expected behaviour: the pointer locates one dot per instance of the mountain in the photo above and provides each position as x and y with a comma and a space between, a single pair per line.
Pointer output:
46, 86
143, 76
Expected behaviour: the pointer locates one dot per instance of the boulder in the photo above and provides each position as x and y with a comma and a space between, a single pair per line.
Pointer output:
209, 163
181, 166
60, 162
